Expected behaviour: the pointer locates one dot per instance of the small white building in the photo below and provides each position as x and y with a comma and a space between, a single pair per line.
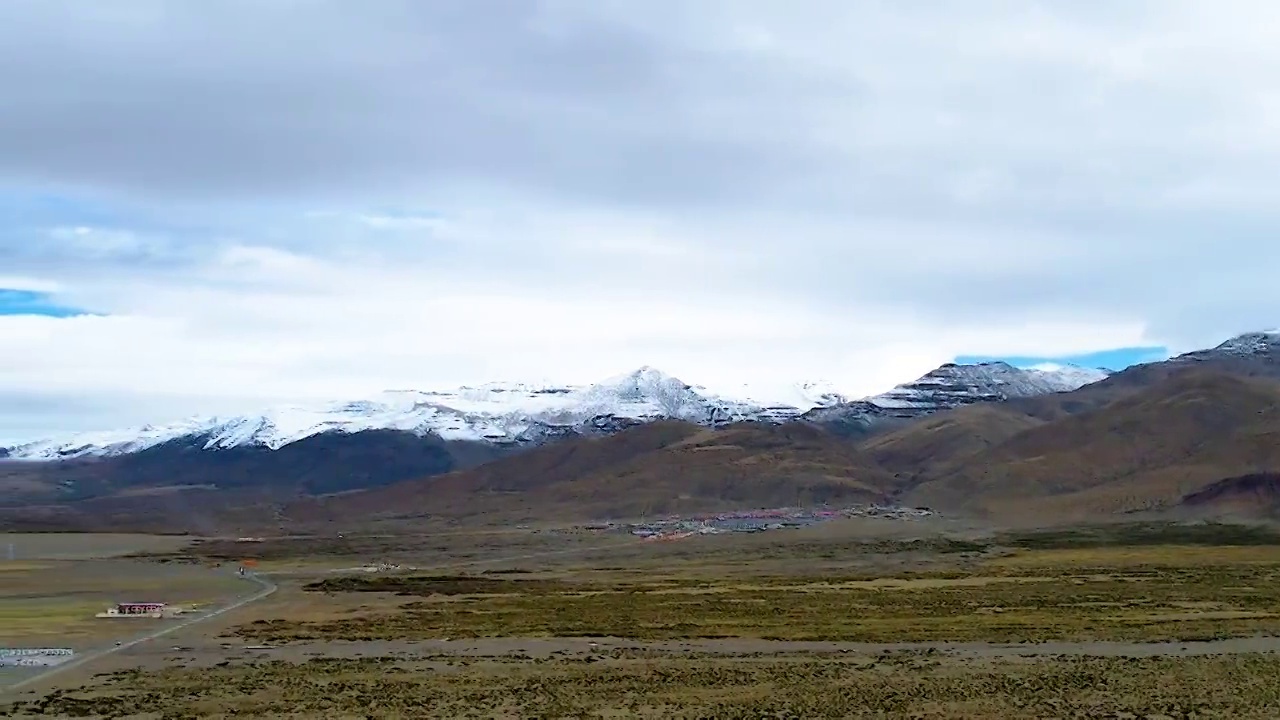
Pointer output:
136, 609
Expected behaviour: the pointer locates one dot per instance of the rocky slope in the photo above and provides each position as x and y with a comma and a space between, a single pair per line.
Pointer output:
948, 387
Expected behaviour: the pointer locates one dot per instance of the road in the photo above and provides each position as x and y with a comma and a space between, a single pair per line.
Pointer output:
266, 587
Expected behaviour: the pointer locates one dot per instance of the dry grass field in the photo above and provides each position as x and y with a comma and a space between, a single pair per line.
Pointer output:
52, 603
804, 624
84, 546
648, 685
1166, 593
50, 594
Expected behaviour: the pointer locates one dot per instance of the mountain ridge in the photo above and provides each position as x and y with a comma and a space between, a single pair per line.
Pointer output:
1143, 451
667, 466
948, 387
520, 414
1149, 436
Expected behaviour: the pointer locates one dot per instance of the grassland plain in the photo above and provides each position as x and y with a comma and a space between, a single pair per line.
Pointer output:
1020, 601
706, 626
54, 601
647, 684
1124, 583
84, 546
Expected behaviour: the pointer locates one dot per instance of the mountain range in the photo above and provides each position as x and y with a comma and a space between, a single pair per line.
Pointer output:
517, 414
1196, 433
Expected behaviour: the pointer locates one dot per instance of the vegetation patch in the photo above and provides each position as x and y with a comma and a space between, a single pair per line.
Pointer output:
892, 685
1144, 534
1023, 598
428, 585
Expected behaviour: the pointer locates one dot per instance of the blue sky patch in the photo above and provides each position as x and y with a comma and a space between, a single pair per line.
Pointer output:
26, 302
1115, 359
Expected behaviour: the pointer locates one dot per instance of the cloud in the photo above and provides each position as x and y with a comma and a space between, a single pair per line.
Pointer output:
420, 194
26, 284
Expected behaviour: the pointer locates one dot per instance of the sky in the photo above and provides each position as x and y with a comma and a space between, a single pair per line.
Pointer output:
207, 207
1113, 359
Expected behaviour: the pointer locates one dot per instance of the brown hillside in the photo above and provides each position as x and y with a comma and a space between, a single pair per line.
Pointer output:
1263, 366
1255, 495
1144, 451
23, 482
938, 441
196, 510
652, 469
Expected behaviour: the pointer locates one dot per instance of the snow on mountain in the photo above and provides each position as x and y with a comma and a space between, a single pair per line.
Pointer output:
526, 413
791, 397
951, 386
495, 412
1066, 378
1254, 343
274, 428
518, 413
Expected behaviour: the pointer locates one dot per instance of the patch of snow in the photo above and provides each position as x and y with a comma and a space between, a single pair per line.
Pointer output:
1067, 377
1247, 344
797, 397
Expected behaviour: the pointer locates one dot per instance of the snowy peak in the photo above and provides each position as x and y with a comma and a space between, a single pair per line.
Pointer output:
643, 394
1253, 343
642, 385
649, 393
952, 385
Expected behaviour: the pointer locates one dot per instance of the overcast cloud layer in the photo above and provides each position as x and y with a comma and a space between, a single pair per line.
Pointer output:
278, 200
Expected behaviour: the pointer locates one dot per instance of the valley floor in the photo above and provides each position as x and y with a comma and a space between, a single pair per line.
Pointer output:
847, 621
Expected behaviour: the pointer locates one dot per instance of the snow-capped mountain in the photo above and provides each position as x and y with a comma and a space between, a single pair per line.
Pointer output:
951, 386
1264, 342
496, 412
517, 414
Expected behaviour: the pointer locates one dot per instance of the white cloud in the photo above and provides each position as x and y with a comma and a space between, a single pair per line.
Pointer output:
98, 243
28, 284
401, 222
265, 325
732, 190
